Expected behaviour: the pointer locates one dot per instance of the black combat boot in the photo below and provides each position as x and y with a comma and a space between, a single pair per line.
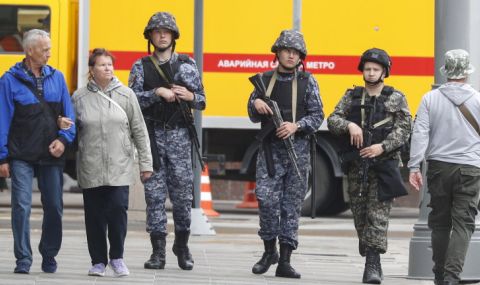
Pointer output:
438, 277
180, 249
157, 259
269, 257
371, 274
284, 269
378, 264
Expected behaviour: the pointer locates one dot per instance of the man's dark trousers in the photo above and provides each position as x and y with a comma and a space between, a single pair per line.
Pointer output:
454, 192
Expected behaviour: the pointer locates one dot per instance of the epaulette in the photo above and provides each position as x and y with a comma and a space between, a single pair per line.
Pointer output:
357, 91
387, 90
184, 58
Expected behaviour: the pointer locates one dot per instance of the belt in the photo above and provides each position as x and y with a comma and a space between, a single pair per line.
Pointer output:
165, 126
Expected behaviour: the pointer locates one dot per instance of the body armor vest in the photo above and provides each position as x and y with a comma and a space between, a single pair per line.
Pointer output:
282, 94
163, 111
371, 103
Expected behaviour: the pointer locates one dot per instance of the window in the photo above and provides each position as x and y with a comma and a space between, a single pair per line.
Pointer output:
15, 20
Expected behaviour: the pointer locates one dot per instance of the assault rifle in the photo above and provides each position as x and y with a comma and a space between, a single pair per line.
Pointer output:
186, 112
277, 119
367, 141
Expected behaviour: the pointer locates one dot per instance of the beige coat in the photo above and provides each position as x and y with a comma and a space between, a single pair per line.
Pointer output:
106, 138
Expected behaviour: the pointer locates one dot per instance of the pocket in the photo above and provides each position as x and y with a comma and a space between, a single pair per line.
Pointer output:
127, 145
470, 180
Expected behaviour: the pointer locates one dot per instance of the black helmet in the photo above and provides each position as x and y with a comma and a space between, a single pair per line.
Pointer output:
162, 20
378, 56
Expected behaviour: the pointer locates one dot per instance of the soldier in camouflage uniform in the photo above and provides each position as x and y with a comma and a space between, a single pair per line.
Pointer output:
279, 190
390, 121
444, 136
170, 140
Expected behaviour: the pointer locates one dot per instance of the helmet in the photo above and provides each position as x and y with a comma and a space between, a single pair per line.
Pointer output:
290, 39
378, 56
162, 20
457, 64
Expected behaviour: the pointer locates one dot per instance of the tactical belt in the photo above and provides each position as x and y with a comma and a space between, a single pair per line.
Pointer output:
166, 125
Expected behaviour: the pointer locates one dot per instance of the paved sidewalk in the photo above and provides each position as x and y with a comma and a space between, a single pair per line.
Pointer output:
327, 253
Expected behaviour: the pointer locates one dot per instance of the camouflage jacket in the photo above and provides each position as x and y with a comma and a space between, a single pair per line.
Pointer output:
396, 104
313, 105
187, 74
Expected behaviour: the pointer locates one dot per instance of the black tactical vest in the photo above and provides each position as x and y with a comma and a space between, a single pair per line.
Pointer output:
282, 94
163, 110
377, 104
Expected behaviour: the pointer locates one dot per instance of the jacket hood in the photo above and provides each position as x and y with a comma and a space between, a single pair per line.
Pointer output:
114, 84
456, 92
18, 71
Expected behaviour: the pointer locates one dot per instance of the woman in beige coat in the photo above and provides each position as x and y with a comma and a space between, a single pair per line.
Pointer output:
110, 124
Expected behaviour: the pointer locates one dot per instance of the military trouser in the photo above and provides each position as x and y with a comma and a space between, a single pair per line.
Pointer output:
175, 177
370, 216
454, 192
280, 197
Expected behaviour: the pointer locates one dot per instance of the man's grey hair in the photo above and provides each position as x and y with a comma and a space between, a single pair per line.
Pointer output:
30, 37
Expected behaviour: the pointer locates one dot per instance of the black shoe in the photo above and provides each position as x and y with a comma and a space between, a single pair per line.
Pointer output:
49, 265
269, 257
181, 250
157, 259
284, 269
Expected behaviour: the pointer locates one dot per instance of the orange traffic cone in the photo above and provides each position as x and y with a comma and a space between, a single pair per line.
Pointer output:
206, 195
249, 197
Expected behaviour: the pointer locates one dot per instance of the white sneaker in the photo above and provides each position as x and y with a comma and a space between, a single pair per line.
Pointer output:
97, 270
119, 268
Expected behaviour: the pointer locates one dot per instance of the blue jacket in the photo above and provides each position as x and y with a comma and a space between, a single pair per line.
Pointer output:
27, 128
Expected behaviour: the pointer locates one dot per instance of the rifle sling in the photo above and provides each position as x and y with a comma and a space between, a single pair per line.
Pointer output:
159, 70
382, 122
468, 115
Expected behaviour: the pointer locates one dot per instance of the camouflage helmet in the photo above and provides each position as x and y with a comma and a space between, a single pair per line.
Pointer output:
378, 56
162, 20
290, 39
457, 64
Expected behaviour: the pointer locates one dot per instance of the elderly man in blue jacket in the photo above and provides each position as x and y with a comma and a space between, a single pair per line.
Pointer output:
33, 96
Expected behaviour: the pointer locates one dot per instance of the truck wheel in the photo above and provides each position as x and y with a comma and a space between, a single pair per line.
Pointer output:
328, 192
